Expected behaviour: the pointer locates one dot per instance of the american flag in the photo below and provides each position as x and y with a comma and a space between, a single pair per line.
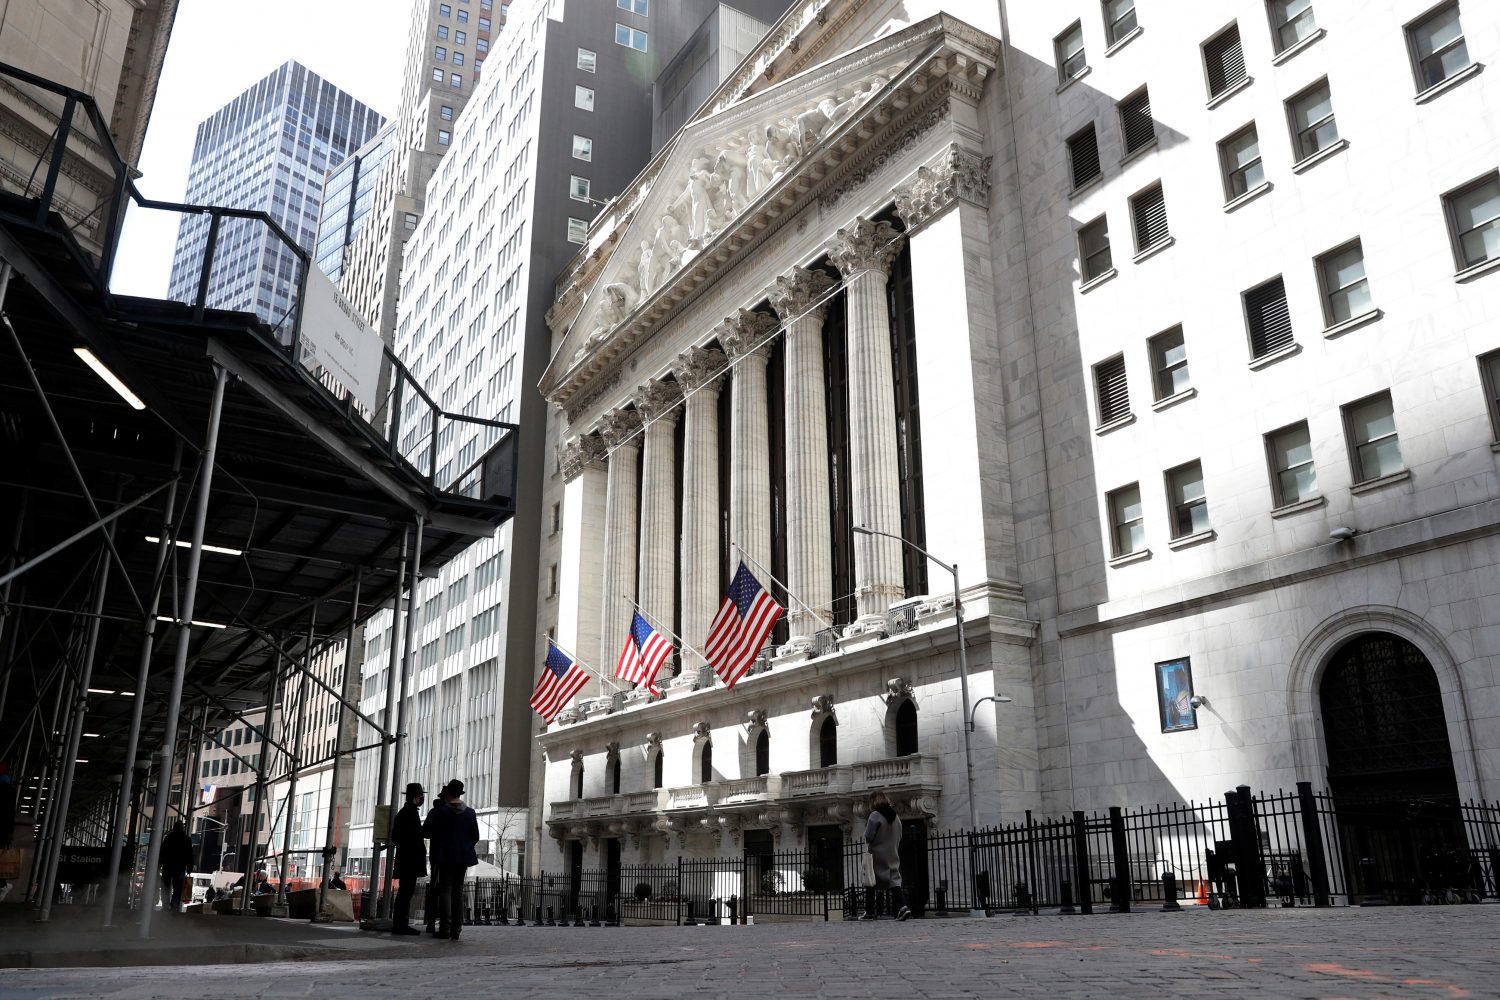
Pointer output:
740, 628
644, 653
561, 678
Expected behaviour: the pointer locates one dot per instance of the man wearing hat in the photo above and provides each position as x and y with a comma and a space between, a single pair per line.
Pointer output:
411, 857
454, 830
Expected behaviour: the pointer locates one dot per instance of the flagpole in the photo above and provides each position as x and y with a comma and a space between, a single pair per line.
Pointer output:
653, 621
597, 674
772, 576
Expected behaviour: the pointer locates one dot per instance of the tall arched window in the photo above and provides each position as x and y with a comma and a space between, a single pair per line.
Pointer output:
578, 781
906, 729
614, 775
828, 742
656, 771
706, 763
763, 753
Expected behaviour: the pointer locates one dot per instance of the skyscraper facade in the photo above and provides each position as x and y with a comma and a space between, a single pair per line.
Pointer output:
268, 149
559, 123
349, 199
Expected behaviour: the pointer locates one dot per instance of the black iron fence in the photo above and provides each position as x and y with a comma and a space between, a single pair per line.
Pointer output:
1297, 848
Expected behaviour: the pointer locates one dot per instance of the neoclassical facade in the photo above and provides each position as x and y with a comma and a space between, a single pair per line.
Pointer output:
863, 288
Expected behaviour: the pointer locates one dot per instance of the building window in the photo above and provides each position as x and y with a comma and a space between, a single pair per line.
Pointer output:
1224, 61
1370, 429
583, 148
1169, 367
583, 97
484, 24
1346, 290
578, 231
1438, 50
656, 769
1239, 158
443, 137
439, 53
1489, 377
442, 32
706, 763
461, 37
631, 38
1292, 21
1127, 521
828, 742
907, 737
1112, 390
578, 781
641, 7
763, 753
1071, 60
1136, 127
410, 220
1083, 154
481, 45
1311, 115
556, 517
1148, 212
1474, 215
1293, 477
578, 188
1119, 19
552, 580
1093, 248
463, 17
458, 58
1267, 318
456, 80
478, 65
446, 112
614, 775
437, 74
1189, 502
444, 10
587, 60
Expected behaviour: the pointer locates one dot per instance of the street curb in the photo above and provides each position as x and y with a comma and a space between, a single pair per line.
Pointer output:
225, 954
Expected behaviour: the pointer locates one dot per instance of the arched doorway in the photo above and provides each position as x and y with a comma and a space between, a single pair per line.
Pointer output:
1390, 766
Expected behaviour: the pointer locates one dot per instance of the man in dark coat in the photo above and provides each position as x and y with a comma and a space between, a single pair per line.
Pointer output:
176, 857
454, 830
410, 857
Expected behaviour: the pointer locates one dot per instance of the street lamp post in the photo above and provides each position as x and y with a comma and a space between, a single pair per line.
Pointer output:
963, 678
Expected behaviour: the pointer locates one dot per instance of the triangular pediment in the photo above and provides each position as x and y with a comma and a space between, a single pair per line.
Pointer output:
720, 168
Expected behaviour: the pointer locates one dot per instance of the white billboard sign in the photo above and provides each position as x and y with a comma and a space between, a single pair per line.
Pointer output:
336, 339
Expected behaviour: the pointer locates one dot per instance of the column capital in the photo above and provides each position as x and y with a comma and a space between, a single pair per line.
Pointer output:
657, 399
618, 426
701, 368
864, 245
578, 453
798, 292
959, 174
746, 333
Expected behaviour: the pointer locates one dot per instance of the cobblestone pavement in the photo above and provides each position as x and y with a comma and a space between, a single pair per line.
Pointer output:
1397, 952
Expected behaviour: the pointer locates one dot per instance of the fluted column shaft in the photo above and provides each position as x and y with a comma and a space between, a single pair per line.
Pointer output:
620, 540
863, 254
701, 374
797, 300
658, 405
745, 338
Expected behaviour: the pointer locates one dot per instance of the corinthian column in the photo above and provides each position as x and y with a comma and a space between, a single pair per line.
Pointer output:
618, 428
746, 337
657, 403
863, 253
797, 299
701, 373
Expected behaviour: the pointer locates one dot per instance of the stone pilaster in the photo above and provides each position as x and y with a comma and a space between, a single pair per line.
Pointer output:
797, 298
620, 430
863, 253
701, 374
585, 476
658, 403
746, 338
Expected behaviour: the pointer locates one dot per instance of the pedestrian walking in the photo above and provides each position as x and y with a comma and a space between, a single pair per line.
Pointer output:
411, 857
454, 830
883, 838
176, 857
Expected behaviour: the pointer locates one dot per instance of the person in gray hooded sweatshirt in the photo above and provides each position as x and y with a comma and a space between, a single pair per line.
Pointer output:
883, 838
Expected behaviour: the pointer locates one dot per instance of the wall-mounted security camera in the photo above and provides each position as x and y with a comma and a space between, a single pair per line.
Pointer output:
1343, 533
1197, 701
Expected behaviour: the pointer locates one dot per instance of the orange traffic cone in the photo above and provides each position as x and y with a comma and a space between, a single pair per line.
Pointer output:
1202, 893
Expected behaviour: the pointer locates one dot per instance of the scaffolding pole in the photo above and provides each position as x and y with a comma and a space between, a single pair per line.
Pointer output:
406, 662
333, 782
291, 786
378, 837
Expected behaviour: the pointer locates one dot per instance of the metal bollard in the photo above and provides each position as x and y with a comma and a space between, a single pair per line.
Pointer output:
942, 899
578, 917
1169, 889
551, 920
594, 916
1066, 890
734, 910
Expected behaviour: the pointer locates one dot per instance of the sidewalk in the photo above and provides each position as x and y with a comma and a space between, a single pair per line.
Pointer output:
74, 939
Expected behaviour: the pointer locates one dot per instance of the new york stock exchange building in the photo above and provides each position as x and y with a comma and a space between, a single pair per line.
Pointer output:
1105, 316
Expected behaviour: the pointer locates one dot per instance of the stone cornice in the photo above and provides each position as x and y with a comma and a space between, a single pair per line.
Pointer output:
957, 61
959, 174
